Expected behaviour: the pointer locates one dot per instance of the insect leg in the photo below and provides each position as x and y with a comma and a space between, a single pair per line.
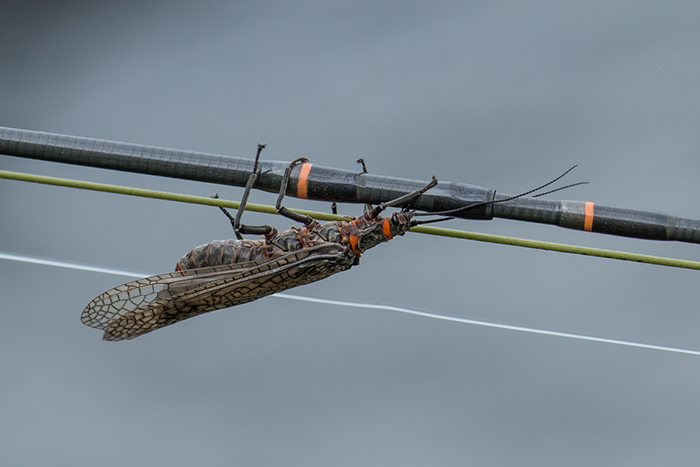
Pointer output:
364, 167
239, 228
303, 218
368, 207
403, 199
225, 211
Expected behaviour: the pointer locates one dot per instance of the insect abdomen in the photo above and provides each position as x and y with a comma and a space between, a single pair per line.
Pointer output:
221, 252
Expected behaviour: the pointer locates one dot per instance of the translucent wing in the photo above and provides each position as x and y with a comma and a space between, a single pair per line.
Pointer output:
144, 305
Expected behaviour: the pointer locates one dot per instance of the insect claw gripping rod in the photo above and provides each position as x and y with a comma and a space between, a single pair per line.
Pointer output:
311, 181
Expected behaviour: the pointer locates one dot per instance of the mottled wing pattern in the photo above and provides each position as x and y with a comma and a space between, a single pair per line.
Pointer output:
147, 304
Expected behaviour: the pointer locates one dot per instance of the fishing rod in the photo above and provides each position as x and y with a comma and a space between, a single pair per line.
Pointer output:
311, 181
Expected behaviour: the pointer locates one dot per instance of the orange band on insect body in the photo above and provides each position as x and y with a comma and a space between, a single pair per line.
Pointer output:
588, 216
302, 184
386, 228
353, 244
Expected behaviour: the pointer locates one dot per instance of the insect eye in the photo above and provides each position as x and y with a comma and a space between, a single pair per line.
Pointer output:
395, 219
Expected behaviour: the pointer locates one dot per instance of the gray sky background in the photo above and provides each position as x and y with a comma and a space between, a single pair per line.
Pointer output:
500, 94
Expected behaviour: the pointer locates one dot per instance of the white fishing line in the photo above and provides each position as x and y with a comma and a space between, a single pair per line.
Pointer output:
425, 314
62, 264
489, 324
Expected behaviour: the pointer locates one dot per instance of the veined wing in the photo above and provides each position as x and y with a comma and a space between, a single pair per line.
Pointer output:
147, 304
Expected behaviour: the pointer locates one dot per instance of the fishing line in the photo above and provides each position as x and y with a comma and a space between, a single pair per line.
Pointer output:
63, 264
452, 233
371, 306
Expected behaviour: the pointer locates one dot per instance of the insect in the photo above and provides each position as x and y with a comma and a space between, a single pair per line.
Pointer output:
226, 273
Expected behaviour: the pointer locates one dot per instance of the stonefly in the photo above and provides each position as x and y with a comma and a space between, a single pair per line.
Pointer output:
226, 273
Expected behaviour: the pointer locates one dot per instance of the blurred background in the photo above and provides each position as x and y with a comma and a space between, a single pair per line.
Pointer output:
499, 94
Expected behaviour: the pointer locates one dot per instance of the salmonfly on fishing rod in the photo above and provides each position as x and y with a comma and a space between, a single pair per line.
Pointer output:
227, 273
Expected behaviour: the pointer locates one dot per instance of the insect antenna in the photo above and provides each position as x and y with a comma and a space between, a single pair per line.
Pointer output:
511, 198
559, 189
403, 199
429, 221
